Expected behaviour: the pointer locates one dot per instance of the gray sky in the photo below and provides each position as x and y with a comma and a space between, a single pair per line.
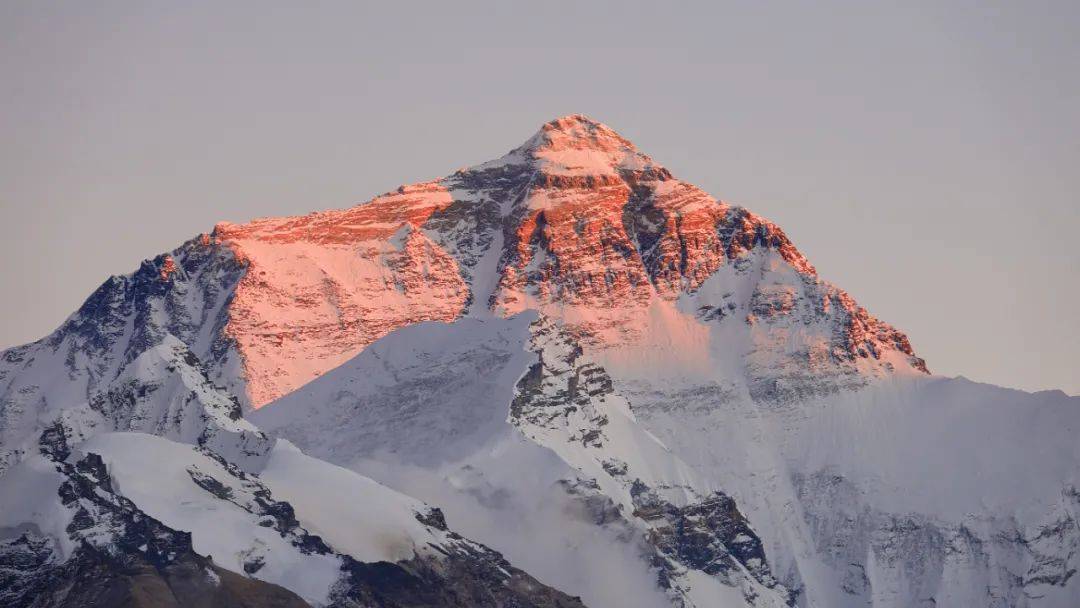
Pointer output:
924, 156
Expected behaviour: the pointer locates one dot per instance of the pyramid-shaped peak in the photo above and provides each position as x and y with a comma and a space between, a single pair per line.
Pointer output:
576, 145
574, 120
580, 131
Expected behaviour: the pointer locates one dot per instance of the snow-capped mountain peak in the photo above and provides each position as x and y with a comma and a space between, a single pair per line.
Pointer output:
595, 368
577, 146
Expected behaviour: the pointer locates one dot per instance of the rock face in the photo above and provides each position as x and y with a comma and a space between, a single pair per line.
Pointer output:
119, 555
593, 368
576, 223
143, 353
321, 287
93, 579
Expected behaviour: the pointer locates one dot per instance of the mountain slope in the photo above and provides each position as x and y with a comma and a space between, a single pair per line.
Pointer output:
130, 515
575, 223
429, 403
886, 495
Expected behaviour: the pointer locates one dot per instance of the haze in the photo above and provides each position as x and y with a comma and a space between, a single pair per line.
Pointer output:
924, 157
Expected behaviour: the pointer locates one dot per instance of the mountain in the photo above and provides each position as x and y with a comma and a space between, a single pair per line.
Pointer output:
615, 389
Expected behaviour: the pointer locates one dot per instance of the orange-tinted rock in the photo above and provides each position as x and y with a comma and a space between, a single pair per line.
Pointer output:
576, 223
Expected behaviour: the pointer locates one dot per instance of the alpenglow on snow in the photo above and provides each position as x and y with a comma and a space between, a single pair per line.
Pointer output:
560, 378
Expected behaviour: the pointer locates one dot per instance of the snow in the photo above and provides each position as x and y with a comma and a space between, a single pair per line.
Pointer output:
353, 513
506, 495
155, 474
578, 146
424, 411
943, 452
424, 393
368, 336
945, 447
308, 305
414, 411
29, 498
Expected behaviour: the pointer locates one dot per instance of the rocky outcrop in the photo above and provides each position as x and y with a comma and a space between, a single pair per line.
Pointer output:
120, 556
144, 352
710, 535
568, 403
93, 578
469, 575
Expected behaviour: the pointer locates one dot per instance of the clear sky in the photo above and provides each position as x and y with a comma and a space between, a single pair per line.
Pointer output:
925, 156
